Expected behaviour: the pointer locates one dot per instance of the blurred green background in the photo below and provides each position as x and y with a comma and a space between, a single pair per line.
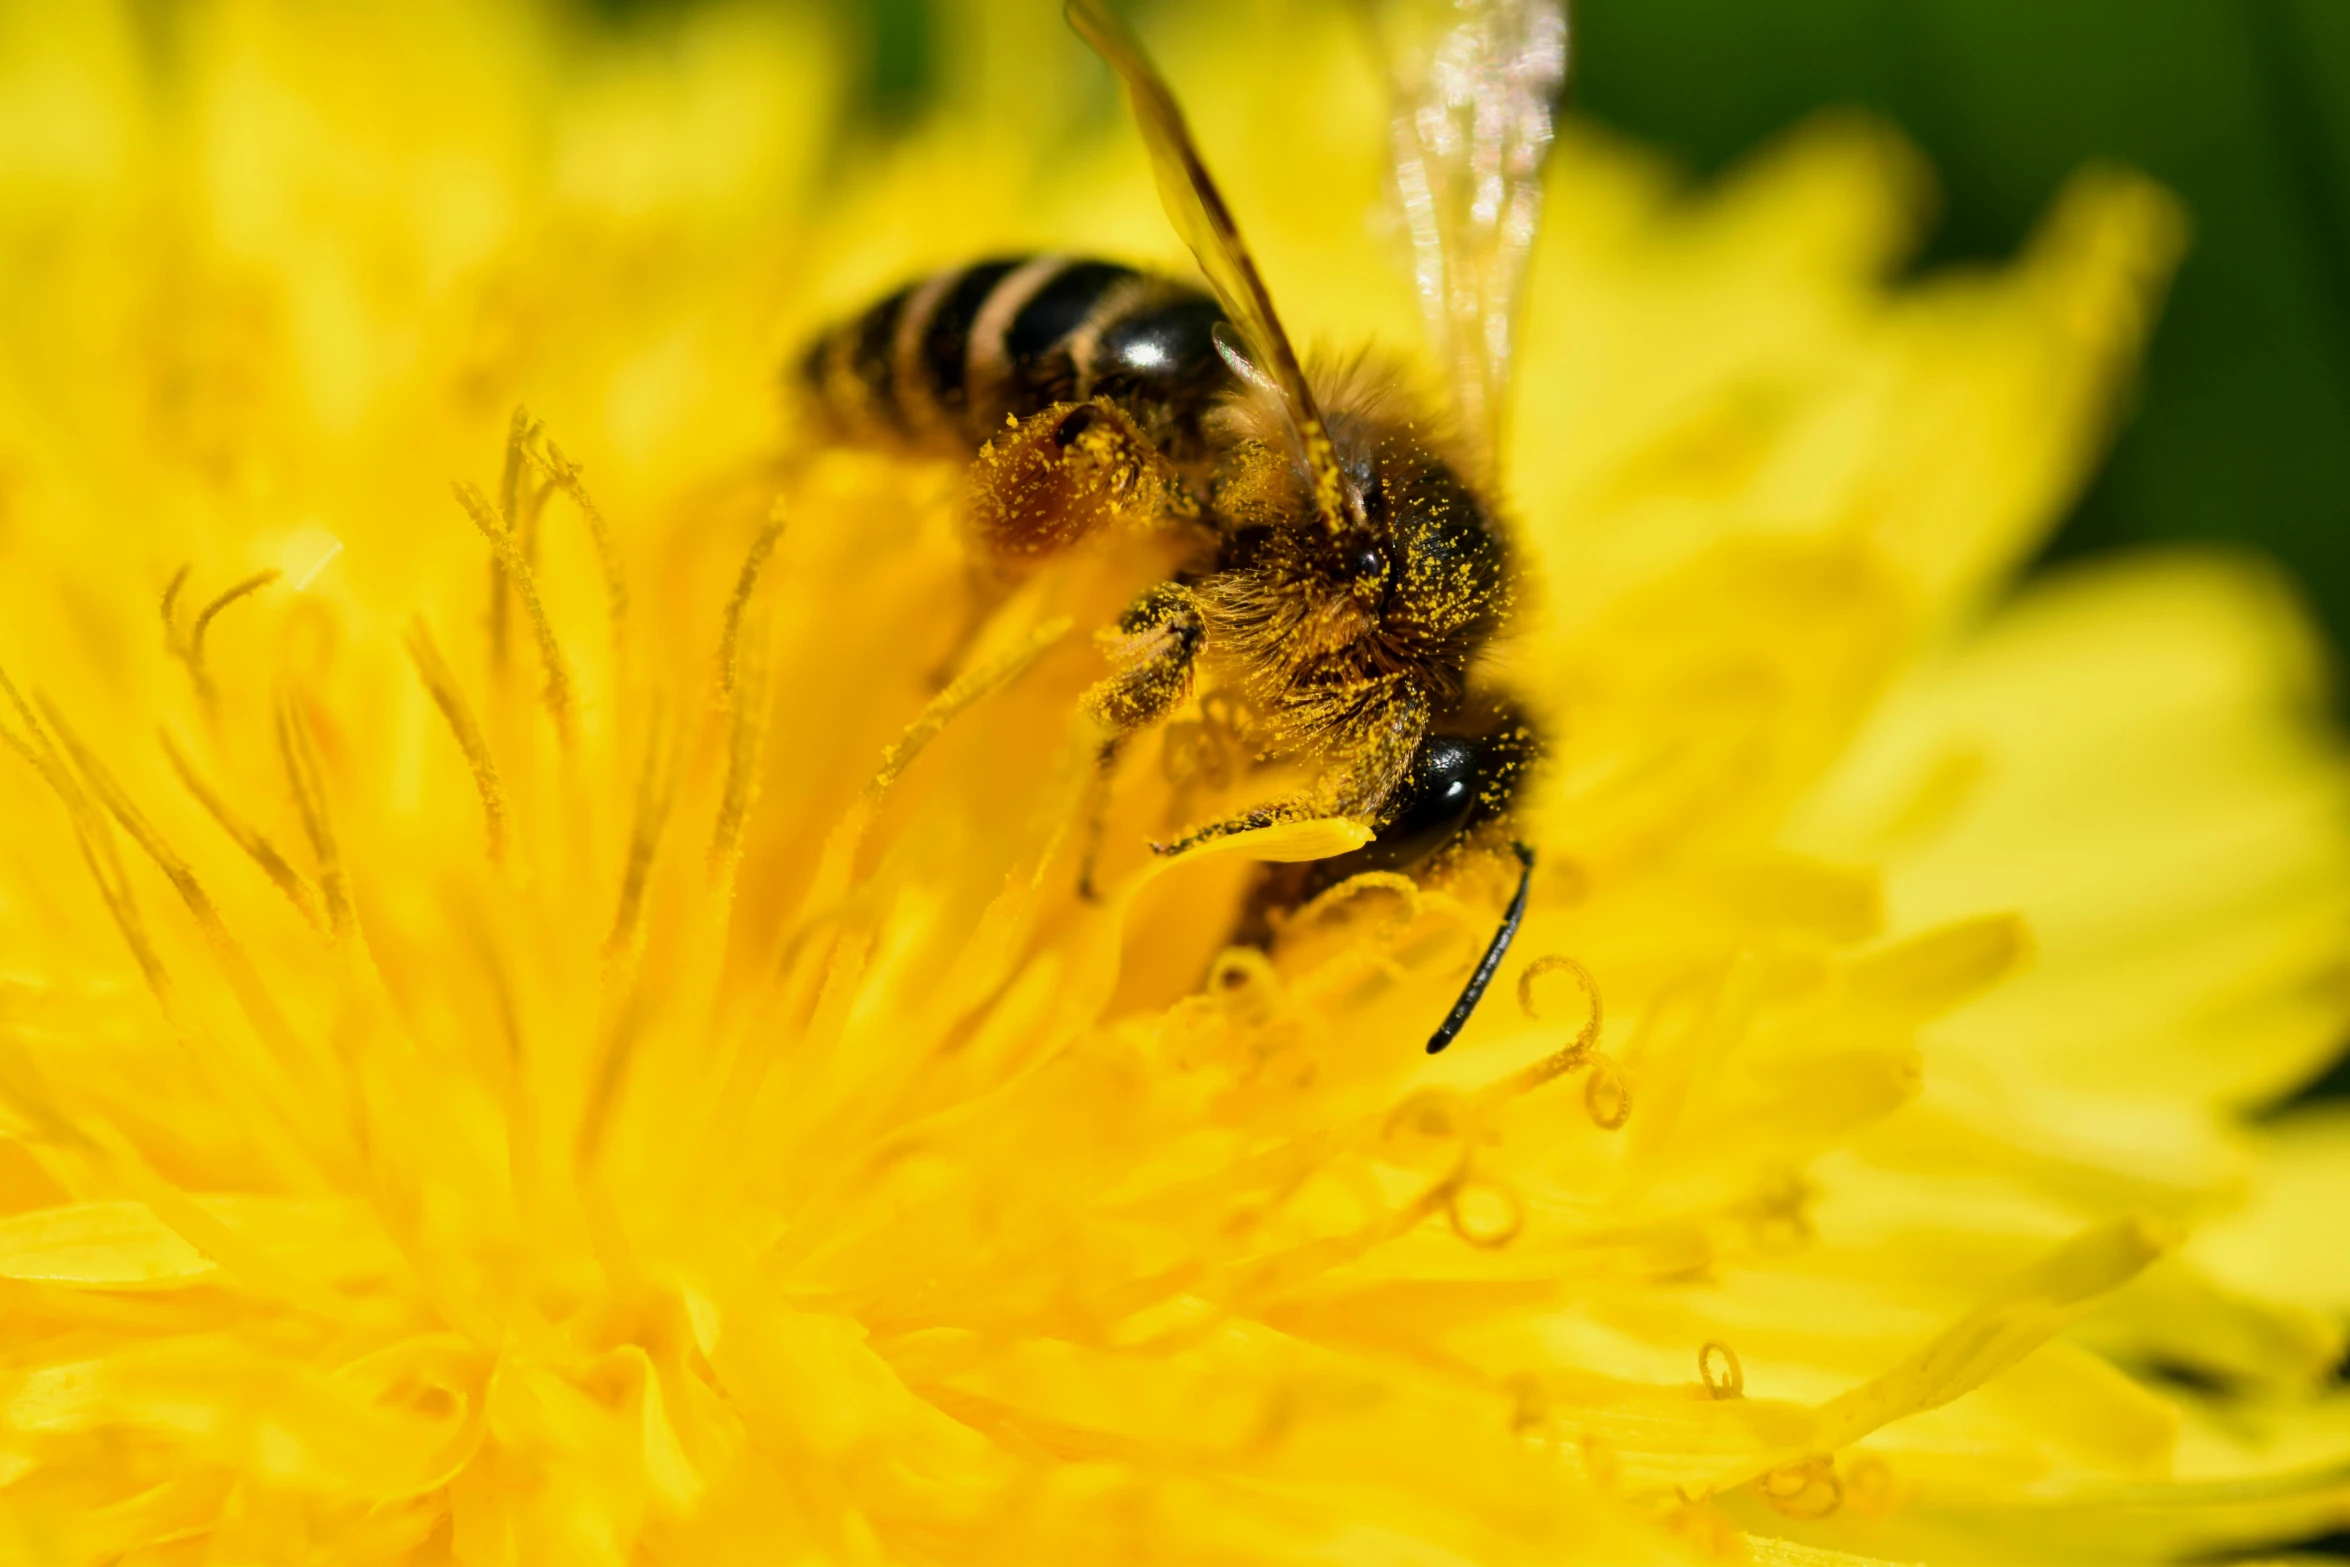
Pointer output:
2242, 425
2241, 429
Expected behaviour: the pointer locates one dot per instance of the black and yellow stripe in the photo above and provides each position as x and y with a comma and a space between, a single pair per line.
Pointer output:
943, 361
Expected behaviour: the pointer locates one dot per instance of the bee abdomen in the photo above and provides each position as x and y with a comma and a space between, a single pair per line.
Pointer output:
944, 361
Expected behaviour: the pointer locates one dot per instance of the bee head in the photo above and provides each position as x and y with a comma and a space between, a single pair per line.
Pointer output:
1416, 566
1425, 554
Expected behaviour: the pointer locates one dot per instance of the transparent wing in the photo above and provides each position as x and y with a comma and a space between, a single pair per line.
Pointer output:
1477, 85
1198, 212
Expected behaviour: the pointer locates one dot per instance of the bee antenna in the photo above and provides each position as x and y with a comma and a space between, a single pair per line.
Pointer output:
1474, 992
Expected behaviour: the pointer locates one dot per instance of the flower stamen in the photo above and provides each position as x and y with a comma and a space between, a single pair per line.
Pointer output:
442, 687
96, 841
246, 836
563, 474
1867, 1485
175, 870
519, 432
1245, 985
557, 695
830, 884
171, 599
298, 749
1718, 1367
746, 583
1578, 1050
746, 743
1606, 1096
656, 790
1389, 916
278, 1091
1808, 1489
964, 690
1487, 1213
191, 652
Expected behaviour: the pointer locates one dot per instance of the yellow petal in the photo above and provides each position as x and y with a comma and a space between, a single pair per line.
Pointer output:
2286, 1243
118, 1245
2008, 1324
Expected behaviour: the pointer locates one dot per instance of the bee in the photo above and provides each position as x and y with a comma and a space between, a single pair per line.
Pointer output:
1347, 563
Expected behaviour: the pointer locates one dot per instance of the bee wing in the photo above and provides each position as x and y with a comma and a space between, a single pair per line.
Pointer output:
1477, 86
1199, 214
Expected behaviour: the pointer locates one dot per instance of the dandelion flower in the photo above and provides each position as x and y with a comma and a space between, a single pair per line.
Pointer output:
549, 1020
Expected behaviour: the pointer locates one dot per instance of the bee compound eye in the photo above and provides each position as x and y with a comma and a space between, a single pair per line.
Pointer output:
1433, 803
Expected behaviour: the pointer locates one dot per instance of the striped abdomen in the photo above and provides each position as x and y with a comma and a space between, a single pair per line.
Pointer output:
943, 361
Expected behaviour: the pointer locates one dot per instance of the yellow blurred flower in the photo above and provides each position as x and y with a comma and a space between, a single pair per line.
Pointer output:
623, 1075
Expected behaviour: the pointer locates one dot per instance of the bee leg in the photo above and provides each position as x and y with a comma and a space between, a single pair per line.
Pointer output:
1375, 766
1155, 645
1295, 809
1048, 481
